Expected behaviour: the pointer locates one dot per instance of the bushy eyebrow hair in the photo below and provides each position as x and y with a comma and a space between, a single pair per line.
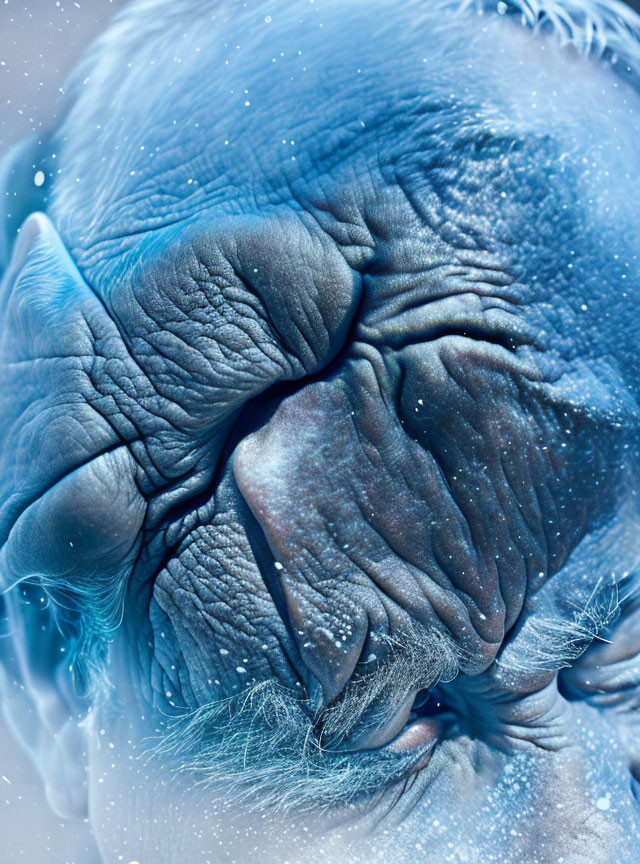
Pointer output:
263, 748
554, 641
266, 750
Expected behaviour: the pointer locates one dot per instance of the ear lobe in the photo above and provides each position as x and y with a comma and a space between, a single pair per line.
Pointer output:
39, 702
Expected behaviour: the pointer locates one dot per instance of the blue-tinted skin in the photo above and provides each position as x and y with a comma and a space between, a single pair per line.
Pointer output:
351, 288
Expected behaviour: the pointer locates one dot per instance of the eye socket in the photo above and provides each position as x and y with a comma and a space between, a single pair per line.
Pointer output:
426, 724
403, 729
608, 673
428, 703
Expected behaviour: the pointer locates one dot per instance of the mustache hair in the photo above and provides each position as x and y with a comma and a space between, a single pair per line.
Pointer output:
268, 750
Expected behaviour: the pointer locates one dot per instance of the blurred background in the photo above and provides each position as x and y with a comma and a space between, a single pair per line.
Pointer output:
40, 41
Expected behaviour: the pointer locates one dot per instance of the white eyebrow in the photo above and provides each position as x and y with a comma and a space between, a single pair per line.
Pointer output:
554, 642
266, 746
260, 749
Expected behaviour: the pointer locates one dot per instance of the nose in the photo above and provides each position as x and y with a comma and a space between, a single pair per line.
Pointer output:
282, 472
367, 538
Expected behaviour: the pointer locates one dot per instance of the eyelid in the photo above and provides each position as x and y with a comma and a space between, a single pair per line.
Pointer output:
610, 669
375, 736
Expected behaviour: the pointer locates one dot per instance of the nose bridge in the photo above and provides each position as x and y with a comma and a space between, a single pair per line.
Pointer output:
366, 536
282, 471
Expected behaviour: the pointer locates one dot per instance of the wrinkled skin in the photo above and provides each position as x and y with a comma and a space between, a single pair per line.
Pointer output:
329, 334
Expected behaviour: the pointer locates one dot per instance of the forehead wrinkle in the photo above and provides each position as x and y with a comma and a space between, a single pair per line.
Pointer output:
120, 182
341, 137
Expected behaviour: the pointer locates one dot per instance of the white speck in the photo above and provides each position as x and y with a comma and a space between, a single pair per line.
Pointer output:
38, 178
223, 652
603, 803
6, 780
584, 307
267, 19
240, 670
278, 565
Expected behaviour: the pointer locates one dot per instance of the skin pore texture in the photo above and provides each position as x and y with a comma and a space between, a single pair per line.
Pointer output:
319, 434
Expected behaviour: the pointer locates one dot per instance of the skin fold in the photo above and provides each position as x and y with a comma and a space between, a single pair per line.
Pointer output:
319, 434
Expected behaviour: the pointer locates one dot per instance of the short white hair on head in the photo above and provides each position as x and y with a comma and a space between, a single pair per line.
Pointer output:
602, 29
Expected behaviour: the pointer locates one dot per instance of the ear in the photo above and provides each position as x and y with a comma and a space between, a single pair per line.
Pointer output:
70, 512
36, 683
23, 190
39, 701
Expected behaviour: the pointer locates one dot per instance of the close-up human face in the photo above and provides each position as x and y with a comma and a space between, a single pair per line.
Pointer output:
319, 434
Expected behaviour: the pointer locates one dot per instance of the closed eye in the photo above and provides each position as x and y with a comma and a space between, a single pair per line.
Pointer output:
608, 673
